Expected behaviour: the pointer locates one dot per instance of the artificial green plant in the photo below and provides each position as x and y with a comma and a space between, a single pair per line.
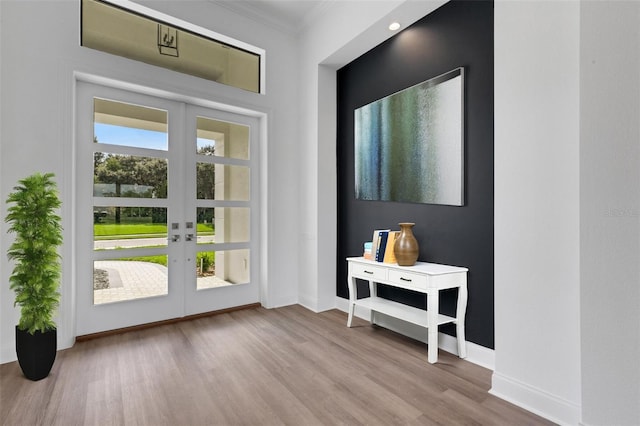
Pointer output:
38, 233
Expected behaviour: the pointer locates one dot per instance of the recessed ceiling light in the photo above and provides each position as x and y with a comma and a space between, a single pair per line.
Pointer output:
394, 26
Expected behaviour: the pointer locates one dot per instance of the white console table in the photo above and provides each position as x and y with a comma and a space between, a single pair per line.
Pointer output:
428, 278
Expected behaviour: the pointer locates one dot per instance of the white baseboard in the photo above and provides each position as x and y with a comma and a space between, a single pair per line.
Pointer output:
476, 354
536, 400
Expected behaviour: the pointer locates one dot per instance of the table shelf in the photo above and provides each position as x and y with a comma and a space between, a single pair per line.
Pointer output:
401, 311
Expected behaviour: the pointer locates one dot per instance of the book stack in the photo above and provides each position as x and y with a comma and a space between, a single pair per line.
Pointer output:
382, 245
367, 250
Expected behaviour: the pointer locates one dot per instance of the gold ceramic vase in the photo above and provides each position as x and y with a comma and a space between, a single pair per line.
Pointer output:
406, 246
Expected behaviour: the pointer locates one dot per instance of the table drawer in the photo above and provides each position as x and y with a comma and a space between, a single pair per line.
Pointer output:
407, 279
369, 272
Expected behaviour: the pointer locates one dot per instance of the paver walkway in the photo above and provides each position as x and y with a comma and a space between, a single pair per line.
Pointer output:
134, 280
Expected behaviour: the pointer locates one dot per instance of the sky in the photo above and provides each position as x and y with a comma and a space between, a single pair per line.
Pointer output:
139, 138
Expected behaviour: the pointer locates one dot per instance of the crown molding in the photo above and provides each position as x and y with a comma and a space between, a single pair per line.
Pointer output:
273, 18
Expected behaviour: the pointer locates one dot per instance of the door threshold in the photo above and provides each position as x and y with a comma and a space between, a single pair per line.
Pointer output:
100, 334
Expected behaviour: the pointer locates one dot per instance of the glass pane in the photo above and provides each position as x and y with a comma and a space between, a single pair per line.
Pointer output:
124, 124
222, 139
116, 30
223, 225
205, 225
127, 176
222, 182
222, 268
127, 227
127, 279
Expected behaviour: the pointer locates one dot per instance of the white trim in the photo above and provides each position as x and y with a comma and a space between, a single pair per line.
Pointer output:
535, 400
285, 24
171, 93
476, 354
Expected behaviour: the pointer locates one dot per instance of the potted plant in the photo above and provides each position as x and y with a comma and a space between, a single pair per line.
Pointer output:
35, 278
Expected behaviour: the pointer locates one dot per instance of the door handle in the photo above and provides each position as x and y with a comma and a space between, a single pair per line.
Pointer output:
188, 237
175, 238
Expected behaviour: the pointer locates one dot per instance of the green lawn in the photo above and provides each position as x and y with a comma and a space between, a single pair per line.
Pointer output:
206, 259
160, 259
108, 231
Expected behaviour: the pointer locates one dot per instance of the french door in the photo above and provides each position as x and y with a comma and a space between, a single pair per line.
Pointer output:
167, 208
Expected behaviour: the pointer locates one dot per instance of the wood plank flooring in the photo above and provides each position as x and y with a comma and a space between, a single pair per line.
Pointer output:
256, 367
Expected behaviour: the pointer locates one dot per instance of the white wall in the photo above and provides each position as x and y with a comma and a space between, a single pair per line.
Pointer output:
610, 211
567, 221
2, 228
40, 52
340, 35
537, 217
317, 241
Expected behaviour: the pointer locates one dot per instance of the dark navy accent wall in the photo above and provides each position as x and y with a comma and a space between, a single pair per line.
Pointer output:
460, 33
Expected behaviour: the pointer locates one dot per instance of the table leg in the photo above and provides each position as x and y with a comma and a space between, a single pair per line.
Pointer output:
351, 309
460, 315
432, 318
351, 282
373, 292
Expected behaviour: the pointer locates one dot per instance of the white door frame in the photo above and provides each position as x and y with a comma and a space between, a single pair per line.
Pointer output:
91, 318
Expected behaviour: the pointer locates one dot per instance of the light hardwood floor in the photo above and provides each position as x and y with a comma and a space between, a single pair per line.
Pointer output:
256, 367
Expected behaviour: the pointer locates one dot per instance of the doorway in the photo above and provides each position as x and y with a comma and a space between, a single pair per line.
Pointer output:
167, 208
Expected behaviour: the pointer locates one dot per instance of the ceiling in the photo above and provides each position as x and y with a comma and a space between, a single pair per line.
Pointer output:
287, 15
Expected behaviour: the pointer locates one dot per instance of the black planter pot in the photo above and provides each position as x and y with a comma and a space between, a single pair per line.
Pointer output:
36, 352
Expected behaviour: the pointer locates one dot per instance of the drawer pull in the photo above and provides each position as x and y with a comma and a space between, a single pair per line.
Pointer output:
405, 279
368, 272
